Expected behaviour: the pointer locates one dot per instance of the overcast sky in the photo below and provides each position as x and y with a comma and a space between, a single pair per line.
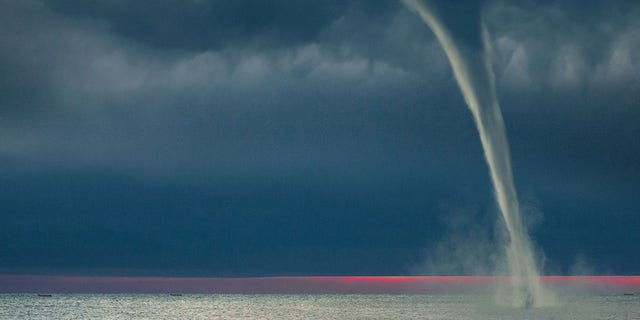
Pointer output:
255, 137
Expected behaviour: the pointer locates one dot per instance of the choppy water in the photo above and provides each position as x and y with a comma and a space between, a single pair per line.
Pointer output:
151, 306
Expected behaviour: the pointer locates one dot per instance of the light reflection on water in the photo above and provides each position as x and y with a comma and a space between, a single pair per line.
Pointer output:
152, 306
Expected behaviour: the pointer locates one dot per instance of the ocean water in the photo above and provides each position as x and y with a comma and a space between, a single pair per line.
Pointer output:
338, 306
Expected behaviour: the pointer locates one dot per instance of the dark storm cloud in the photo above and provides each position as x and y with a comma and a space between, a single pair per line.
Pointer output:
280, 137
211, 24
23, 56
106, 98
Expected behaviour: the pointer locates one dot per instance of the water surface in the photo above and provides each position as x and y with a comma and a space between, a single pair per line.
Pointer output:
310, 306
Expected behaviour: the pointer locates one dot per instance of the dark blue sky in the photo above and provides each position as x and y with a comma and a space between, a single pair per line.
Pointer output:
244, 138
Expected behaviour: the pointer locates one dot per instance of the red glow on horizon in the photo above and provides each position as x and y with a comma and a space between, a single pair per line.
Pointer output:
296, 284
408, 279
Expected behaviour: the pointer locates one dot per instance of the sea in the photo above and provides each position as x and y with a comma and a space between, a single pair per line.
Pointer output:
307, 306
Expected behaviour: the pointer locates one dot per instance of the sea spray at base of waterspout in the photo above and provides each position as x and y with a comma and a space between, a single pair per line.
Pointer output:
471, 66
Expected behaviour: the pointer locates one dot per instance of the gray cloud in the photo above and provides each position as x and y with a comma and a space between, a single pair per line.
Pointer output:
565, 47
84, 92
108, 99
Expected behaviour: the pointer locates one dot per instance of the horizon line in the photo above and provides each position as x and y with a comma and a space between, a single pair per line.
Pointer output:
25, 283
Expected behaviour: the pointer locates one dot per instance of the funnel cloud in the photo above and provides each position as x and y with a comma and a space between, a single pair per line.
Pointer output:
468, 53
